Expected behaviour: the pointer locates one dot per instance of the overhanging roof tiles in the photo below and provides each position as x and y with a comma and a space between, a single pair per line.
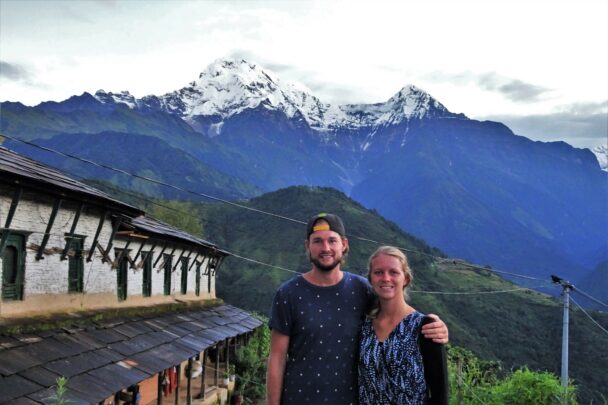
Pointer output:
102, 360
24, 167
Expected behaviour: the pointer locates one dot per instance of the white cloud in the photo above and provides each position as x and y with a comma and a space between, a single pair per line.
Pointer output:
546, 53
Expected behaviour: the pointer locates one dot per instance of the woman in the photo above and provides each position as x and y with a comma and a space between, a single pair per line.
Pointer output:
391, 364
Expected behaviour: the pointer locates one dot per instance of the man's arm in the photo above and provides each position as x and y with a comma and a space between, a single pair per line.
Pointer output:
279, 344
437, 330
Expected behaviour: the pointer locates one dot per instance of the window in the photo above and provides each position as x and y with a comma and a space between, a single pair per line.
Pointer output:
197, 288
167, 266
75, 265
122, 274
184, 289
147, 282
13, 267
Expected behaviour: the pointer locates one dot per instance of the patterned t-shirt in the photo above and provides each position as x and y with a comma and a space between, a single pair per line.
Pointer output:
323, 328
391, 372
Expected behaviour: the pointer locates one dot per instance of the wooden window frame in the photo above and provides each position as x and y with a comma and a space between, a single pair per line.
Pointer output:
14, 291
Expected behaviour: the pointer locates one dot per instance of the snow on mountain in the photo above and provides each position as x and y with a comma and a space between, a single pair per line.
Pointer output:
123, 97
601, 152
227, 87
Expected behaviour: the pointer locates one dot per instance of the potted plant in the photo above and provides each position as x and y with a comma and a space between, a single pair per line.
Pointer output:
231, 372
226, 378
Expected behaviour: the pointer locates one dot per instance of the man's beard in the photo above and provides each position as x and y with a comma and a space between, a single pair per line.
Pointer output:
326, 267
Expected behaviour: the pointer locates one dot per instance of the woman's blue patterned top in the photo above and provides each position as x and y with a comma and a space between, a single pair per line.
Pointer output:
391, 372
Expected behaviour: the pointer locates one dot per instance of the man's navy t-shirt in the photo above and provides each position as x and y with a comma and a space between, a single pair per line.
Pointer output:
323, 328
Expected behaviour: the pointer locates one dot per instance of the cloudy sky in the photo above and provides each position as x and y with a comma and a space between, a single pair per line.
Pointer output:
538, 66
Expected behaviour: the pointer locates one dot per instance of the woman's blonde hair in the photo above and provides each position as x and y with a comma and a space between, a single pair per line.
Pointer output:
405, 267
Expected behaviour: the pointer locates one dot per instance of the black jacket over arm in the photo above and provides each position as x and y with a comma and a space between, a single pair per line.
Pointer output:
434, 358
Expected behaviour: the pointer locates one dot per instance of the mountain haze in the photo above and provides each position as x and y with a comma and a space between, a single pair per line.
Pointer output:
473, 189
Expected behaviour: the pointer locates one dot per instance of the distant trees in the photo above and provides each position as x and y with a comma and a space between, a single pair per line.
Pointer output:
180, 214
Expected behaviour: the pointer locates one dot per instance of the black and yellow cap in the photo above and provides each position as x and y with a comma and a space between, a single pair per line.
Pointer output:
332, 223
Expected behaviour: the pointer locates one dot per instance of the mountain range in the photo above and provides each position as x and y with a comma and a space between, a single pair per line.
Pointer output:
474, 189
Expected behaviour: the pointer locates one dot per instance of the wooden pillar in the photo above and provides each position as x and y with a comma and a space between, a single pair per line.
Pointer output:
178, 370
203, 361
216, 380
189, 383
159, 389
227, 349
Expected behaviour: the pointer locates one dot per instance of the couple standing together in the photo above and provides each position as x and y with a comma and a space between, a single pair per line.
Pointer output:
325, 350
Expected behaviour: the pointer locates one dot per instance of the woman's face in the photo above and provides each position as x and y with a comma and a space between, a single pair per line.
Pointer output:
387, 277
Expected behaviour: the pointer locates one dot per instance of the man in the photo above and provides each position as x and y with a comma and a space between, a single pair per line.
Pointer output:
315, 324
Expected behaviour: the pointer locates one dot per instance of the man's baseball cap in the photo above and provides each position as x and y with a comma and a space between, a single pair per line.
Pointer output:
333, 223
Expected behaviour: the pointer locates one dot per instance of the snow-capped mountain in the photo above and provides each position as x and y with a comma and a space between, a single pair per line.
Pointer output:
601, 153
228, 87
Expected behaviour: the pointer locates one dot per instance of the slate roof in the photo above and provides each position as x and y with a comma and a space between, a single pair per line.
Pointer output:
106, 357
14, 166
25, 168
152, 225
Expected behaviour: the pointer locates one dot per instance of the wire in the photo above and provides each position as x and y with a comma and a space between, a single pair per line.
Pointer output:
578, 290
589, 316
262, 263
474, 292
472, 266
153, 180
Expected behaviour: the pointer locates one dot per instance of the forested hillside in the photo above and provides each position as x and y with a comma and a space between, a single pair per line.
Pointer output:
518, 327
495, 319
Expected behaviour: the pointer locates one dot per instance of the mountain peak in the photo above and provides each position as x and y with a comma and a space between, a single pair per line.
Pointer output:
229, 86
414, 102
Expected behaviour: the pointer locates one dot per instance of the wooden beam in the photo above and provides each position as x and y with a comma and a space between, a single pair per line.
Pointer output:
193, 261
14, 203
102, 219
145, 256
104, 254
9, 218
161, 254
172, 251
49, 226
122, 253
178, 260
72, 230
115, 227
137, 254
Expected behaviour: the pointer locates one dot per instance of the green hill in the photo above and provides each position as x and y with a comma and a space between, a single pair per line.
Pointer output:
516, 328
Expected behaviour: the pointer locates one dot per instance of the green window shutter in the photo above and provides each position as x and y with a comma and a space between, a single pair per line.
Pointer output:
197, 288
121, 277
184, 289
147, 282
13, 267
167, 284
76, 266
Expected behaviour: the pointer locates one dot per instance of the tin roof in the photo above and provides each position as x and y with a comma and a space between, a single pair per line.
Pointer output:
109, 356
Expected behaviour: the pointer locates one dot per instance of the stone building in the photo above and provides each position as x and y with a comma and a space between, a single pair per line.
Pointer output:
68, 249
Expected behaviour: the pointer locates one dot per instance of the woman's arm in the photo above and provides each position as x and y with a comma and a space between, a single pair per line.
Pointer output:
436, 330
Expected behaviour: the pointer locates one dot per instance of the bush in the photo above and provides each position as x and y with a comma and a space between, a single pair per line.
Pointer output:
251, 365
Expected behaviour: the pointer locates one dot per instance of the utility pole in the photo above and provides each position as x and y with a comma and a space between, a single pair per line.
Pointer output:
567, 286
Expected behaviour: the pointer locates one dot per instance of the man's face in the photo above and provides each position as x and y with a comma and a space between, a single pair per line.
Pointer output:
326, 249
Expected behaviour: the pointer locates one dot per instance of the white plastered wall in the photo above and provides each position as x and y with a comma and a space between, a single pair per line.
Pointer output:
46, 280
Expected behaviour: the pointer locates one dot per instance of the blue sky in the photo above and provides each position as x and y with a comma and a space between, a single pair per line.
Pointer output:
538, 66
